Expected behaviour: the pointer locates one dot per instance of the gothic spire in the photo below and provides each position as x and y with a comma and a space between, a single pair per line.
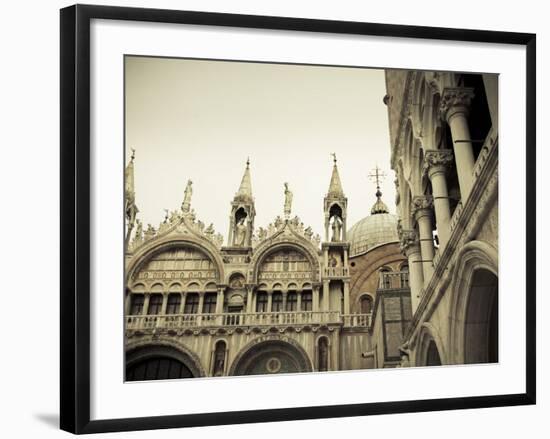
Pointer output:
245, 189
335, 187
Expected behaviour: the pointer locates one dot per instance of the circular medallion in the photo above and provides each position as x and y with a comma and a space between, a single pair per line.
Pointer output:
273, 365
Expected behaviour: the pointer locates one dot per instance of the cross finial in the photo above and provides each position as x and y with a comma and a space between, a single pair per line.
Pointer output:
377, 175
333, 154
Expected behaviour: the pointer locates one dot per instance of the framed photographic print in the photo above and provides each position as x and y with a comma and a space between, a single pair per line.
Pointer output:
286, 218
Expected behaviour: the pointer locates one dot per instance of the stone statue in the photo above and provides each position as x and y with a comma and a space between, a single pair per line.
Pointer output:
139, 230
262, 233
200, 225
308, 232
186, 205
288, 201
150, 232
317, 239
173, 217
278, 222
209, 230
240, 233
336, 228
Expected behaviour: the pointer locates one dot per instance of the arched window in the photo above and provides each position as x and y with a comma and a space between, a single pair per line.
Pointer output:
261, 302
291, 301
385, 280
322, 354
366, 304
174, 303
209, 305
306, 301
405, 276
277, 302
137, 304
155, 304
191, 304
219, 359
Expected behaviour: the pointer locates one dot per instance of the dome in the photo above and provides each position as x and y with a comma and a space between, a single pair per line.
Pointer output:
372, 231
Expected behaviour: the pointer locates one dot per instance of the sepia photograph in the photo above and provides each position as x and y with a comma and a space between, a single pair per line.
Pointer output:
288, 218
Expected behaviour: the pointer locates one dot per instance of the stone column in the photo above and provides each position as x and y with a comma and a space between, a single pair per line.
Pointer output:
164, 303
249, 294
315, 298
284, 294
201, 302
423, 214
326, 295
269, 300
455, 104
346, 298
128, 304
436, 163
182, 304
345, 258
146, 304
219, 300
410, 246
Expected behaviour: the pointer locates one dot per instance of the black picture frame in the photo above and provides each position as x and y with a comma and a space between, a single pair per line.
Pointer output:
75, 217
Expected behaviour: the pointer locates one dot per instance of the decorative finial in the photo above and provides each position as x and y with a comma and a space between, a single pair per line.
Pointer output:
333, 154
165, 215
247, 162
133, 154
377, 175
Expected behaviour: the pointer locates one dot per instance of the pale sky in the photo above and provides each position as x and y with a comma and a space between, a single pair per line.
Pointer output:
200, 120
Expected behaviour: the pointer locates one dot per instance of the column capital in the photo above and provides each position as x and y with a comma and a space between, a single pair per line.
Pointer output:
409, 242
455, 100
422, 206
437, 160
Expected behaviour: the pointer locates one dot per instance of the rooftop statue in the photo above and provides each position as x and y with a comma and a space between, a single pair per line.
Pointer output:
288, 201
186, 205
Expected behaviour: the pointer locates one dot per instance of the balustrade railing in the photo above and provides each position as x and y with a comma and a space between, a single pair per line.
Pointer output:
393, 280
178, 321
357, 320
336, 271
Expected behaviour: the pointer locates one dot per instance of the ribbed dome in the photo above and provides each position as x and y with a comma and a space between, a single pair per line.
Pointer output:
372, 231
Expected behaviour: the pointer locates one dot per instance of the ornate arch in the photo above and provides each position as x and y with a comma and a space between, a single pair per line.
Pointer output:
266, 249
146, 252
474, 256
429, 333
416, 100
246, 353
140, 350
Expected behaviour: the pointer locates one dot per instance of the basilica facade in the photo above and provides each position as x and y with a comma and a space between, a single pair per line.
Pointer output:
275, 299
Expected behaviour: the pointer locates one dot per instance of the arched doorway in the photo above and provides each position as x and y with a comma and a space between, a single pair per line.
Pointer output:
157, 368
432, 355
160, 362
481, 319
271, 357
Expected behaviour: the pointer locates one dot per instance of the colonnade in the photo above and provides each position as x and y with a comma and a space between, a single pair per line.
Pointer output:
418, 242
